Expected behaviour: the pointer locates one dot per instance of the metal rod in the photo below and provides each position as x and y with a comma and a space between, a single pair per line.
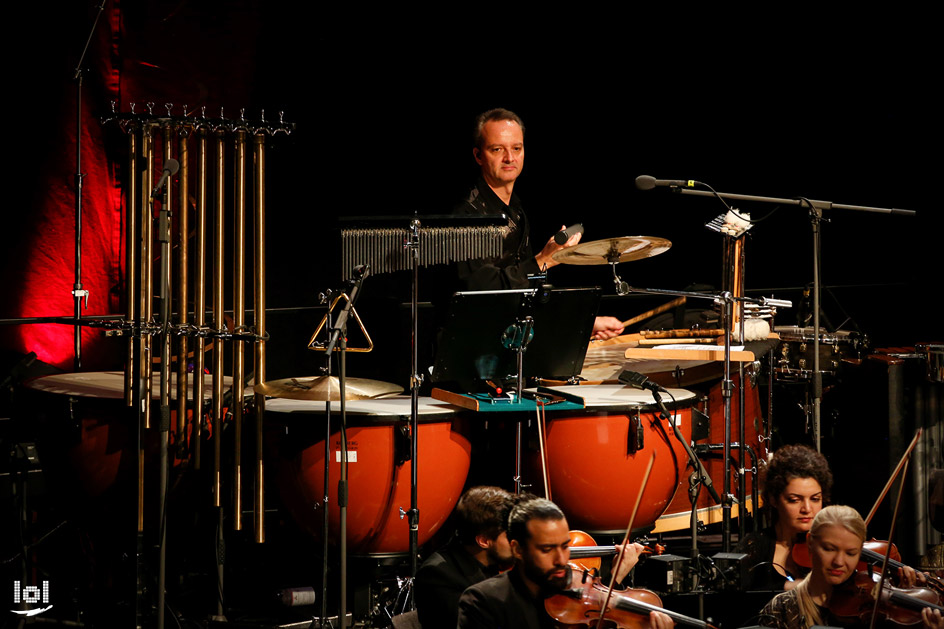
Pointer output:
218, 316
132, 257
199, 294
183, 290
258, 506
239, 319
147, 279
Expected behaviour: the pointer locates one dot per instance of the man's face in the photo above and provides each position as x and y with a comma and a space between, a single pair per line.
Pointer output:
545, 554
502, 154
499, 552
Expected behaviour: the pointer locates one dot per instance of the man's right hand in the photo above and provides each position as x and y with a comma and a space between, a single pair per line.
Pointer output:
544, 259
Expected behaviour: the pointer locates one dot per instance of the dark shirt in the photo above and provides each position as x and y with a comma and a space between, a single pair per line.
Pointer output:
440, 582
502, 602
760, 547
517, 261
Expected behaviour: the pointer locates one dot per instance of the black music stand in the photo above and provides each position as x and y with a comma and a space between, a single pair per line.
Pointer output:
471, 348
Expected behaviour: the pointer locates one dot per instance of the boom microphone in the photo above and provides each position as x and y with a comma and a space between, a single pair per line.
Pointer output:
645, 182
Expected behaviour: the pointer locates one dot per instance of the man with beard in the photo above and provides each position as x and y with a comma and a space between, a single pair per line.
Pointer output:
540, 538
479, 550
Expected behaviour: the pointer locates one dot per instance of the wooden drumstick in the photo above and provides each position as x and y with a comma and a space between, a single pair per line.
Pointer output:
678, 301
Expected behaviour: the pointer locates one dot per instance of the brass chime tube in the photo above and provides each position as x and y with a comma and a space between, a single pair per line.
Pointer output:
167, 200
218, 316
258, 506
183, 288
239, 319
199, 293
131, 260
147, 275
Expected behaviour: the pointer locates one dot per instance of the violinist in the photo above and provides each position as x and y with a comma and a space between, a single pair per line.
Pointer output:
540, 538
835, 543
796, 484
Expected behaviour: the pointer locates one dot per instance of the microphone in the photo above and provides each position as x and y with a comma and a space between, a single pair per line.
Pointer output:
564, 235
645, 182
640, 381
171, 167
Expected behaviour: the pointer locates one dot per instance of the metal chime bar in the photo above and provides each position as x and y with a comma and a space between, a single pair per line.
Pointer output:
200, 145
199, 293
132, 260
382, 248
239, 319
147, 276
183, 292
218, 315
260, 325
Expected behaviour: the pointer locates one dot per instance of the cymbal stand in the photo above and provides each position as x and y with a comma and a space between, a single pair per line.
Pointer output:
77, 291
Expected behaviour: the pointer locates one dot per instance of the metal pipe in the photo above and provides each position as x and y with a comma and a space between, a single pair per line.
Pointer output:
147, 280
218, 316
132, 256
199, 294
183, 289
239, 318
259, 295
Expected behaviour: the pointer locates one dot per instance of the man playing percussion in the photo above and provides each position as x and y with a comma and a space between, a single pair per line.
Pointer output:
539, 538
499, 151
479, 550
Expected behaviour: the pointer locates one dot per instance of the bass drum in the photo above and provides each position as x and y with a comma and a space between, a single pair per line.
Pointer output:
678, 515
88, 432
379, 468
597, 456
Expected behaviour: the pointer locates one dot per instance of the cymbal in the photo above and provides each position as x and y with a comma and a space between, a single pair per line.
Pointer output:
320, 387
611, 250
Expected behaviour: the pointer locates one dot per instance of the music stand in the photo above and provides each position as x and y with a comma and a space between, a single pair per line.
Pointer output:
471, 348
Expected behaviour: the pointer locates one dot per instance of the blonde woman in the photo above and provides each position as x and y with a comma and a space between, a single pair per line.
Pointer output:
835, 543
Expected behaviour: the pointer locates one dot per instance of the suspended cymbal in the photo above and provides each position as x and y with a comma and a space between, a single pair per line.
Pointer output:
320, 387
610, 250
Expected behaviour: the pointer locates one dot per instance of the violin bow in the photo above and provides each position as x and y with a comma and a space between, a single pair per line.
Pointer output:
904, 458
542, 444
903, 468
622, 551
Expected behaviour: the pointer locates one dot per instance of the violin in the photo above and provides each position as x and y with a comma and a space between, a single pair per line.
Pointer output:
873, 552
582, 604
855, 600
584, 547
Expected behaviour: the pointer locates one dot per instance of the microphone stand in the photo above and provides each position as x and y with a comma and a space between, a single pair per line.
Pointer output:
337, 338
728, 300
816, 209
77, 291
163, 235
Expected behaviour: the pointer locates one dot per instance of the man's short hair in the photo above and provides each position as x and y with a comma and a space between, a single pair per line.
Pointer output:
483, 511
490, 116
527, 510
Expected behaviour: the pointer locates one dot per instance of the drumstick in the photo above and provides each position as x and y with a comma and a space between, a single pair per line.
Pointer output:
678, 301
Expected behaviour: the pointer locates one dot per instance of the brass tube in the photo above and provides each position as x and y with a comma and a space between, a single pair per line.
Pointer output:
147, 279
218, 321
258, 505
131, 260
183, 288
199, 294
239, 319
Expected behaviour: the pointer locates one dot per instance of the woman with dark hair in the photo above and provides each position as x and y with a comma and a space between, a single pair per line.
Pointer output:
796, 485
